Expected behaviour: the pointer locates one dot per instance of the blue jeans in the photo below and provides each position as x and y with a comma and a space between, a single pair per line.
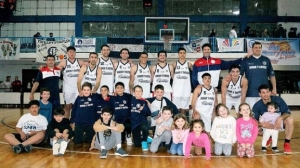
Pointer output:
176, 149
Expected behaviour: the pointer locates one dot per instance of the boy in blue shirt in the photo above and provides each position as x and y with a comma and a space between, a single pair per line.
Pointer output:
45, 105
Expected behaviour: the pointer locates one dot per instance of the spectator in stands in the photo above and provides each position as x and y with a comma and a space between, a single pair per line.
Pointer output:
36, 36
253, 33
281, 32
246, 32
213, 33
232, 33
6, 84
273, 34
16, 85
265, 33
292, 32
50, 38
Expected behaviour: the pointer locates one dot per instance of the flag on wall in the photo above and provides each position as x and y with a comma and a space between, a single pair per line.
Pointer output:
9, 49
56, 48
195, 45
279, 52
134, 45
85, 44
230, 44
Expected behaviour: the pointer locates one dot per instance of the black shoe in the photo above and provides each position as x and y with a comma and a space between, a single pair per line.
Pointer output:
168, 148
275, 149
263, 149
18, 148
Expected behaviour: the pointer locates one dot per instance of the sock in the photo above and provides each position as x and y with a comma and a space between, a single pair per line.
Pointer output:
287, 140
54, 141
118, 146
102, 147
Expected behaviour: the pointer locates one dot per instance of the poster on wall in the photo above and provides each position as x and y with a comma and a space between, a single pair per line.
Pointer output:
85, 44
9, 49
279, 52
230, 44
58, 49
195, 45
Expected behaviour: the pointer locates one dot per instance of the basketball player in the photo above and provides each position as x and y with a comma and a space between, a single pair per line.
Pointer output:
122, 69
234, 88
90, 73
162, 73
182, 82
107, 66
140, 74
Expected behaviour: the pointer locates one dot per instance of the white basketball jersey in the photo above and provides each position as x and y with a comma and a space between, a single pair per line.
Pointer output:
122, 74
162, 76
181, 82
234, 90
90, 76
205, 101
107, 73
142, 77
70, 76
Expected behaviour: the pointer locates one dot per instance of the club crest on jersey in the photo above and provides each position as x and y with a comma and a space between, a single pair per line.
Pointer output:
204, 92
89, 99
138, 105
121, 66
124, 101
264, 63
157, 70
102, 63
68, 66
140, 71
213, 61
178, 67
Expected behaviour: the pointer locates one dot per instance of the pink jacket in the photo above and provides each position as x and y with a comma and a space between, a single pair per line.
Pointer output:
201, 141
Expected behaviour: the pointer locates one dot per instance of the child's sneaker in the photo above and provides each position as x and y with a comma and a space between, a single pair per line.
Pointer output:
55, 148
287, 148
149, 139
28, 148
121, 152
145, 146
17, 148
263, 149
269, 142
63, 147
198, 150
275, 149
103, 154
129, 140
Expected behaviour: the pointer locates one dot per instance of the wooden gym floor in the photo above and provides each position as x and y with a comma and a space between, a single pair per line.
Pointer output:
79, 156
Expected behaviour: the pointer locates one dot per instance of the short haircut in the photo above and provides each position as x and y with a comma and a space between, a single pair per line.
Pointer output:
263, 86
162, 51
206, 45
137, 86
124, 49
181, 49
86, 84
34, 102
119, 84
167, 108
71, 48
93, 53
272, 104
161, 87
50, 56
234, 66
44, 89
105, 86
107, 109
59, 111
256, 43
206, 74
143, 53
104, 45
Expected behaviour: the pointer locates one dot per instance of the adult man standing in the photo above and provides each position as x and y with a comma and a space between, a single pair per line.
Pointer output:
232, 33
48, 76
91, 73
16, 85
6, 84
122, 69
162, 73
182, 82
234, 88
286, 119
213, 66
258, 70
140, 74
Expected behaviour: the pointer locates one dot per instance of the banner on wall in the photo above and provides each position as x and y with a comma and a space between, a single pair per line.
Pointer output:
85, 44
134, 45
230, 44
279, 52
9, 49
56, 48
195, 45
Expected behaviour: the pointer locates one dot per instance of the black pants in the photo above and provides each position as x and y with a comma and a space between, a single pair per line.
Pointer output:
79, 134
136, 133
127, 130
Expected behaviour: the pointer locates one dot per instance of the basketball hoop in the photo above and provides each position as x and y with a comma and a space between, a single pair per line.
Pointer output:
167, 44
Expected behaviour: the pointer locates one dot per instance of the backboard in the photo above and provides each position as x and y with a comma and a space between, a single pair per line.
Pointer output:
176, 28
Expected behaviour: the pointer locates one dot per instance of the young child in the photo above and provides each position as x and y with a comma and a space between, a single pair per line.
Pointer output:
139, 113
45, 105
30, 129
108, 134
103, 100
203, 101
223, 130
246, 131
60, 132
180, 130
163, 129
270, 116
197, 137
121, 110
84, 115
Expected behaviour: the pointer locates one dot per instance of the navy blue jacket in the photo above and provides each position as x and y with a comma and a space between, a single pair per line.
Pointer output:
138, 116
121, 107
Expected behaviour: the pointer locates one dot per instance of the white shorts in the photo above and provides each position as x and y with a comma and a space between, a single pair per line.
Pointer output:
70, 97
181, 102
252, 100
235, 105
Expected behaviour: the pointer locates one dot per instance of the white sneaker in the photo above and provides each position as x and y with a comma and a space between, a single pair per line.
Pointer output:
55, 148
129, 140
63, 147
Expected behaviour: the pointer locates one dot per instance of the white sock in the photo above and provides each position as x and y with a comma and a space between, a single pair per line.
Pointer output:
63, 147
55, 148
118, 146
102, 147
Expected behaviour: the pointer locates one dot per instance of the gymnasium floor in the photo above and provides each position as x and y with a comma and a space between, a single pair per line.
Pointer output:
79, 156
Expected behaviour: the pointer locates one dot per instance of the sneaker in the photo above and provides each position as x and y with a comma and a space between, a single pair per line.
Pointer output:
55, 148
129, 140
63, 147
269, 142
149, 139
17, 148
263, 149
287, 148
275, 149
168, 148
103, 154
28, 148
121, 152
145, 146
198, 150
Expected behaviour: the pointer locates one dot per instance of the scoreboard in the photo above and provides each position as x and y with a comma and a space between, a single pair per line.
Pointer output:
6, 9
